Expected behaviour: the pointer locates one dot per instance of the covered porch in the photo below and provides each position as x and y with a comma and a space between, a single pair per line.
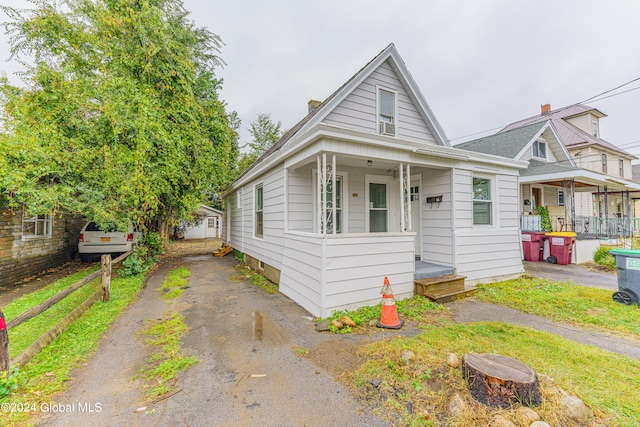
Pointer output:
352, 220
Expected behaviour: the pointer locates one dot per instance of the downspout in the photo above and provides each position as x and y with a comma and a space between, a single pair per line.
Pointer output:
573, 205
606, 211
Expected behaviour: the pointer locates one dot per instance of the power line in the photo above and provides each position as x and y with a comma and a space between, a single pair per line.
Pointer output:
594, 98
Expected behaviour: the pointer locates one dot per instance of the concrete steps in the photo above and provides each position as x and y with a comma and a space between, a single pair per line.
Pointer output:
443, 289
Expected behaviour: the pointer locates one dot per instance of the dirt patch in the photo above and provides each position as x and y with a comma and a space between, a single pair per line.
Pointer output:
336, 356
191, 247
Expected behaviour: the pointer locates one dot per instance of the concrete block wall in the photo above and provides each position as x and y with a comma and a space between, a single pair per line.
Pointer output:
20, 259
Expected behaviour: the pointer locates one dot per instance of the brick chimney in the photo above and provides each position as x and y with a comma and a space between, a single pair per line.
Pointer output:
544, 109
313, 104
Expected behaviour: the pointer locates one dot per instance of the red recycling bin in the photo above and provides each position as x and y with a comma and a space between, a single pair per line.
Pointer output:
560, 247
532, 245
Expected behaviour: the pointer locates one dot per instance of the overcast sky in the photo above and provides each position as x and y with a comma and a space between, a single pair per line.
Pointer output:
481, 64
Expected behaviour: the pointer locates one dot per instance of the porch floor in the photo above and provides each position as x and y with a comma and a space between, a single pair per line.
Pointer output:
425, 270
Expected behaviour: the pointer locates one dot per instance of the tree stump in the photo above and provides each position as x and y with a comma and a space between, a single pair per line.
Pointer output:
500, 381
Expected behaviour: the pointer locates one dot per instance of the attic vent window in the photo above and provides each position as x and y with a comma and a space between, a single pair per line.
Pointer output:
386, 112
540, 149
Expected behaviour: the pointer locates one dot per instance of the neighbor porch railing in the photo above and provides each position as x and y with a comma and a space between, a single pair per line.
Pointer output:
586, 226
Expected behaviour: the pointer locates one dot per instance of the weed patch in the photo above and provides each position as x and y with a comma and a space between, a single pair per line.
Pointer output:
257, 279
175, 283
167, 360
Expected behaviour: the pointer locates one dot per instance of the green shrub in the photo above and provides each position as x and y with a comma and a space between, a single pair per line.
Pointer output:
544, 218
153, 241
8, 382
603, 257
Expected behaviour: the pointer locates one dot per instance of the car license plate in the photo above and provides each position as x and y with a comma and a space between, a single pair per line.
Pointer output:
105, 239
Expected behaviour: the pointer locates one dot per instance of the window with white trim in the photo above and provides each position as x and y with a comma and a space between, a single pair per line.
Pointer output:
539, 149
594, 129
620, 167
35, 226
338, 207
239, 199
482, 203
259, 218
604, 163
386, 112
560, 197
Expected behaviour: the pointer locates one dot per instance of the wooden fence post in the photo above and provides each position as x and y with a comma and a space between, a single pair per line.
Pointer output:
4, 344
106, 277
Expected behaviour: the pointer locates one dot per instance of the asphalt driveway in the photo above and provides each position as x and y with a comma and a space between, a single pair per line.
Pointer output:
250, 371
576, 273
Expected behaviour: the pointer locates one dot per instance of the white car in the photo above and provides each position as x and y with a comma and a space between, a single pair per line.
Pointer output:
94, 241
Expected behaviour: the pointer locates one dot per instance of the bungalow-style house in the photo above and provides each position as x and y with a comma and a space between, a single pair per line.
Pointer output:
602, 210
208, 224
31, 244
367, 186
554, 180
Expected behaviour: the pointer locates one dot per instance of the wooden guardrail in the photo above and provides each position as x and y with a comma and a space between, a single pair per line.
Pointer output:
47, 338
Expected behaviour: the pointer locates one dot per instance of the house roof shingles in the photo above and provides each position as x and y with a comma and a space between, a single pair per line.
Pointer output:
505, 144
570, 134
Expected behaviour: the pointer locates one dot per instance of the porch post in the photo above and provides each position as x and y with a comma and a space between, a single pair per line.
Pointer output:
319, 195
606, 210
409, 219
401, 198
628, 214
333, 193
573, 206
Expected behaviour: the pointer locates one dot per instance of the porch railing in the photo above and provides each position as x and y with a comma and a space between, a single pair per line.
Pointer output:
586, 226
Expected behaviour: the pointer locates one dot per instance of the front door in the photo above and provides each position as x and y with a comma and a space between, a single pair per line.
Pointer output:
382, 200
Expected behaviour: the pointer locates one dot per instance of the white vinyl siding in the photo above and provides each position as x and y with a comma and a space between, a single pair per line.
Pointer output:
353, 266
358, 110
437, 240
300, 200
508, 212
487, 254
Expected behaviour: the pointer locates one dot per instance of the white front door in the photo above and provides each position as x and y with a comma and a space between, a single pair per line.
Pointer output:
382, 202
416, 215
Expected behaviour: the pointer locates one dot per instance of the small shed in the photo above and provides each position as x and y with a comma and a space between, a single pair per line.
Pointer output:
210, 225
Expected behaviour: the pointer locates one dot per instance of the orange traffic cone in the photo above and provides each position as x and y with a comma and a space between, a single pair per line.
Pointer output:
389, 318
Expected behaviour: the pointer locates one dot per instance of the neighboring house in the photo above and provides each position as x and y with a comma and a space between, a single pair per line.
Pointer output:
554, 180
209, 225
32, 244
367, 186
579, 127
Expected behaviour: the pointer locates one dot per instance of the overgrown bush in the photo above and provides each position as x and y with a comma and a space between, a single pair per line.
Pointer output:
143, 256
544, 218
604, 258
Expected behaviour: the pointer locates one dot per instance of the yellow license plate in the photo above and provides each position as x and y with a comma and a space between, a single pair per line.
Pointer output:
105, 239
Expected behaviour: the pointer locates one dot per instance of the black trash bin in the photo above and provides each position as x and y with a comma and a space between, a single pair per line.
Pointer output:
628, 265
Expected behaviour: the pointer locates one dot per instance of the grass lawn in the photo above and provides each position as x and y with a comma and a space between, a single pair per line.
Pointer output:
590, 308
46, 375
606, 382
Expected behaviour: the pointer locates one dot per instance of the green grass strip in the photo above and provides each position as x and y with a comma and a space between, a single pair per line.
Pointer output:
566, 302
175, 283
46, 375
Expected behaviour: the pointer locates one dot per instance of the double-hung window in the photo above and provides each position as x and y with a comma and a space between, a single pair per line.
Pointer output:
386, 112
34, 226
604, 163
482, 202
259, 219
621, 167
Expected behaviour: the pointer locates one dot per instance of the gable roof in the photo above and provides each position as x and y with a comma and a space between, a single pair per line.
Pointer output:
329, 104
506, 144
570, 134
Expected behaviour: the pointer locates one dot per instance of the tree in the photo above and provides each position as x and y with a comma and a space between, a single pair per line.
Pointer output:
120, 119
265, 134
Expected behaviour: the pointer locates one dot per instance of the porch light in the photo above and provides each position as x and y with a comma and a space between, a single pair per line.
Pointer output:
369, 163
